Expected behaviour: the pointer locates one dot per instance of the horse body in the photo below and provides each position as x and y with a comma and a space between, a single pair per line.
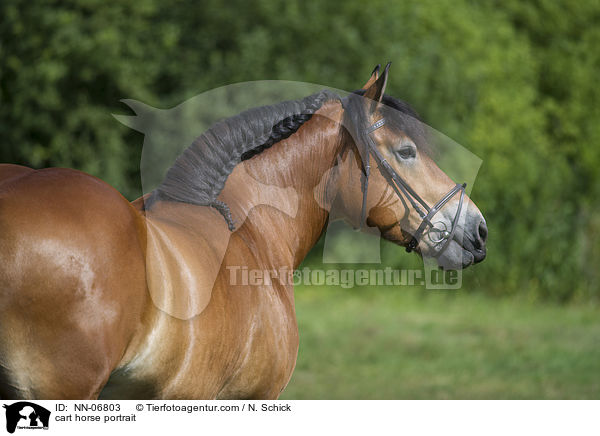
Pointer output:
79, 309
75, 306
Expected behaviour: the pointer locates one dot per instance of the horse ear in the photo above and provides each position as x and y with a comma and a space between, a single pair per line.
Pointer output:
376, 90
373, 78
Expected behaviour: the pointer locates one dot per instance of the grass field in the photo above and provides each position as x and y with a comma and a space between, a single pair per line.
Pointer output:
386, 343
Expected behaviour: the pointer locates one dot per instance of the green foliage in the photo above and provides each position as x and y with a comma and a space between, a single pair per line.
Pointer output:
63, 69
515, 82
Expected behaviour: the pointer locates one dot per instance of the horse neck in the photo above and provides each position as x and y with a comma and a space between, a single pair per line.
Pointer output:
291, 179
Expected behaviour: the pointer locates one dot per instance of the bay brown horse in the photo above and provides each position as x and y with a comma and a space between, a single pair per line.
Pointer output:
85, 276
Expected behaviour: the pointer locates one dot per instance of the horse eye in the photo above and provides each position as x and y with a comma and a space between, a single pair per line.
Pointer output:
406, 152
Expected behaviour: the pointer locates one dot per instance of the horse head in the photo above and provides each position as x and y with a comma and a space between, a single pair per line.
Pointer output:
393, 184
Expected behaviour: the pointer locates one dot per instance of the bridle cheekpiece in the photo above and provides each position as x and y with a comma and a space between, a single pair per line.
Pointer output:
438, 232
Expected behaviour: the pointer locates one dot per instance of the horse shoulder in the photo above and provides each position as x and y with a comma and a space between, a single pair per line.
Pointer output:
186, 245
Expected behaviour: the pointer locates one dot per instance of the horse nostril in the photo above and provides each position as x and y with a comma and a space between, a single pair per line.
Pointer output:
483, 231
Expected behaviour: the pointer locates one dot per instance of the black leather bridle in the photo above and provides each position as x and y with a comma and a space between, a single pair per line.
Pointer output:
403, 190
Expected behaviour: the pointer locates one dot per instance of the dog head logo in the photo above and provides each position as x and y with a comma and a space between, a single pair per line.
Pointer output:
26, 415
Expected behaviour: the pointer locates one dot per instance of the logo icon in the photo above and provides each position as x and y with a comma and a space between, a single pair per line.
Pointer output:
26, 415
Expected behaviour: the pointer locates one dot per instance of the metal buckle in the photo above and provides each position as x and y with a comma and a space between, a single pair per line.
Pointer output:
441, 231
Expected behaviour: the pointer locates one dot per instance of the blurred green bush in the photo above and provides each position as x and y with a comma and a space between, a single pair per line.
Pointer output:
515, 82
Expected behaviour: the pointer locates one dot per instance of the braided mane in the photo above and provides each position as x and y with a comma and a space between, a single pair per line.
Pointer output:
200, 172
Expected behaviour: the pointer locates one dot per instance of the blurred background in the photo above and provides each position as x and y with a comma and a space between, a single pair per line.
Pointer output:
514, 82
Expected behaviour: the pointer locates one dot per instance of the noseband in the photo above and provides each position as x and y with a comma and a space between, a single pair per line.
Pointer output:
440, 236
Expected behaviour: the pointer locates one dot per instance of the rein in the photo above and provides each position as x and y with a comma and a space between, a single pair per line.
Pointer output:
404, 190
